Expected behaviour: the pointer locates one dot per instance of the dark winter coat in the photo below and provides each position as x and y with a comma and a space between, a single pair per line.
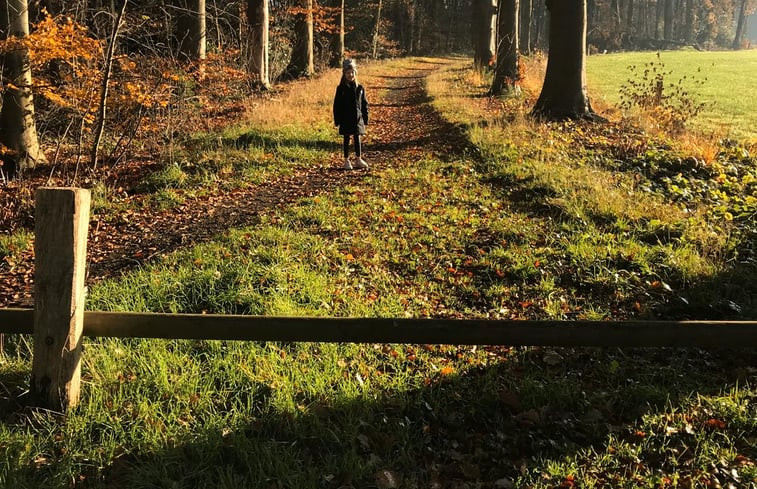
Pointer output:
350, 108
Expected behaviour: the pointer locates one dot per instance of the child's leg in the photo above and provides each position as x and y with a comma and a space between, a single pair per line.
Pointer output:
359, 163
357, 145
346, 146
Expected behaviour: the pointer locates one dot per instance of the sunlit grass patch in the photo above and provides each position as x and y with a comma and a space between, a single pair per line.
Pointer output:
729, 112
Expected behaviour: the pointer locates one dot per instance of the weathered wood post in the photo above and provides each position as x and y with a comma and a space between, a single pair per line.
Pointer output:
60, 249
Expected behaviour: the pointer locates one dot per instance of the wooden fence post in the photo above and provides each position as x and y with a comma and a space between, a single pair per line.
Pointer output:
60, 248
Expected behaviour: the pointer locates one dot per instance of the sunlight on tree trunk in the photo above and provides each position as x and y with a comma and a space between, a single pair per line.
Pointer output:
563, 95
507, 73
17, 129
100, 124
258, 18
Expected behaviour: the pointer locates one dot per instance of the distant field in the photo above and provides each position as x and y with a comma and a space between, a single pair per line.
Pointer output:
730, 85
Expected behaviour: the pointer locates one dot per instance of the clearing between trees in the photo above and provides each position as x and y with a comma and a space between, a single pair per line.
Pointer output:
470, 209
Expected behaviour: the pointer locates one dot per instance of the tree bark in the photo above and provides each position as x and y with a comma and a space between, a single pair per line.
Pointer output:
17, 129
483, 26
658, 17
740, 26
689, 24
376, 30
507, 73
257, 15
668, 20
302, 63
192, 33
524, 26
102, 107
564, 95
338, 53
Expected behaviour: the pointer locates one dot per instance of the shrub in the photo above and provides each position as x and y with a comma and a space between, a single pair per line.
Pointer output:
670, 104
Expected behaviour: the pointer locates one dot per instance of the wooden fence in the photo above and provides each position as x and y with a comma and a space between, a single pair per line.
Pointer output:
59, 321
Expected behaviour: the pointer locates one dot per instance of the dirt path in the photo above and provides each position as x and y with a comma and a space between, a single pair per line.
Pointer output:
403, 129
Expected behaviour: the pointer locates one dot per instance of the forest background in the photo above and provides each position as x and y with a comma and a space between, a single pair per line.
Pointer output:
474, 209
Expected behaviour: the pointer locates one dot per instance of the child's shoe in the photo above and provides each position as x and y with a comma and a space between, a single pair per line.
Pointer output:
360, 163
347, 164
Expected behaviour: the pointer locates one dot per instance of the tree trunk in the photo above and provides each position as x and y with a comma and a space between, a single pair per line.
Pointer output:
689, 29
376, 30
564, 95
302, 63
192, 33
525, 26
507, 74
339, 47
615, 7
668, 20
740, 26
257, 17
17, 130
483, 26
658, 17
102, 107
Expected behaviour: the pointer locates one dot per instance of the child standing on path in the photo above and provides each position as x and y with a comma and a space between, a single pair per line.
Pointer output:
351, 112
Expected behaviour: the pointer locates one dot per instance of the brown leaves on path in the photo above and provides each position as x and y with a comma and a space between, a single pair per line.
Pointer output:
403, 128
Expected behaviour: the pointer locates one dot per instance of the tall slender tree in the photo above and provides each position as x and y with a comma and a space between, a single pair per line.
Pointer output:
667, 20
258, 19
524, 26
377, 30
337, 54
17, 129
507, 72
564, 95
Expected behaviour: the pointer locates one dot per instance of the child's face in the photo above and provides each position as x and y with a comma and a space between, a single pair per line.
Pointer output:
349, 74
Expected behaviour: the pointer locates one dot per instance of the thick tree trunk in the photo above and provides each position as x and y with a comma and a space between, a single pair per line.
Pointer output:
302, 63
483, 25
507, 74
629, 17
525, 26
257, 15
192, 33
563, 95
17, 130
740, 26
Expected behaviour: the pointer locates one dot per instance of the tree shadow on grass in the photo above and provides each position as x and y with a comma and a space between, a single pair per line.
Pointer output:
475, 427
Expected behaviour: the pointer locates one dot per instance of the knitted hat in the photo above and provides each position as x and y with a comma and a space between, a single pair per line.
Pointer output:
349, 64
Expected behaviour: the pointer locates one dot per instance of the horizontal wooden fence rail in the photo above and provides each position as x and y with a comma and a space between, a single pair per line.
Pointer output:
705, 334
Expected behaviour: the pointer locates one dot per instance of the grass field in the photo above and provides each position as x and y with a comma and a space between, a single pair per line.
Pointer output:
527, 221
730, 90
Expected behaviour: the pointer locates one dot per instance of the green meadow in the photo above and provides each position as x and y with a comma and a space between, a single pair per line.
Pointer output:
729, 88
